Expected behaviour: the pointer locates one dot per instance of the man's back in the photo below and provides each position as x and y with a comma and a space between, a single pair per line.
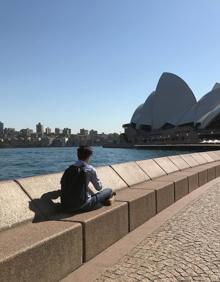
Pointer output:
74, 188
91, 175
92, 200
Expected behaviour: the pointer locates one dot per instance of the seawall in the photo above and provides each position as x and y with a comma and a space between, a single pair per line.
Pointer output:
38, 242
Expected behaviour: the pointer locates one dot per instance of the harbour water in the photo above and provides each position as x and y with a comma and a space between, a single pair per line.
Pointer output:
17, 163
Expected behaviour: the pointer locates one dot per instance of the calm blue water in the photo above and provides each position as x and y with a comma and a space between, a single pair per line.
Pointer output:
16, 163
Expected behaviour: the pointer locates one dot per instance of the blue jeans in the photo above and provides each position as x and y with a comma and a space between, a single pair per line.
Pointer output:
96, 199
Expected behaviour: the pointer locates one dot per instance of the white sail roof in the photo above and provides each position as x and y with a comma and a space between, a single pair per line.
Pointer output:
217, 85
203, 108
136, 114
145, 116
168, 103
173, 102
205, 120
173, 97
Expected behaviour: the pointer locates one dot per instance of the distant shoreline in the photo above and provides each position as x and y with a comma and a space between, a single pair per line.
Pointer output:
180, 147
29, 147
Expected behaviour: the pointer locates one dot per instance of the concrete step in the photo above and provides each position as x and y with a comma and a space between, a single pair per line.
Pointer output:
131, 173
141, 205
46, 251
164, 192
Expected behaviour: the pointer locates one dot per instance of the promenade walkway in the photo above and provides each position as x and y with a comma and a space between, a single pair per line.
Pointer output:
184, 248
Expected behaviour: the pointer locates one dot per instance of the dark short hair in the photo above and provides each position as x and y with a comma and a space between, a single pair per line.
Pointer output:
84, 152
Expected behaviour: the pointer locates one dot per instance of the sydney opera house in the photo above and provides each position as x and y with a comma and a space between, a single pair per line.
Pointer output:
172, 113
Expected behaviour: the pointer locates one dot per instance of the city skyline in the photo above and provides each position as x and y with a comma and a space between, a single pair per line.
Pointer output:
89, 63
46, 137
52, 129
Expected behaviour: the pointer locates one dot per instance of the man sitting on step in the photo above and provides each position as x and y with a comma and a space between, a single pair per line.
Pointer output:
75, 193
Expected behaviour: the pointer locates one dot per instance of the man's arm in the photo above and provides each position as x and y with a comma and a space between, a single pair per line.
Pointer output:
95, 180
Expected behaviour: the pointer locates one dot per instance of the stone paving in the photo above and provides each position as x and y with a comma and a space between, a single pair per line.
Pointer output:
186, 248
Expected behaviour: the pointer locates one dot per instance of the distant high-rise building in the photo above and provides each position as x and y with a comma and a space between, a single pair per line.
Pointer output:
39, 129
1, 128
58, 131
9, 132
84, 131
93, 132
48, 130
67, 131
26, 132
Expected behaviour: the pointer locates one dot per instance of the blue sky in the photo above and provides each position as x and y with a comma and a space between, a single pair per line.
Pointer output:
90, 63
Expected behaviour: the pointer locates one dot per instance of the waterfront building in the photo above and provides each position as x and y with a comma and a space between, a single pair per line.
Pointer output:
59, 142
58, 131
27, 132
93, 132
84, 131
40, 129
9, 132
1, 129
74, 140
171, 113
48, 130
66, 131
